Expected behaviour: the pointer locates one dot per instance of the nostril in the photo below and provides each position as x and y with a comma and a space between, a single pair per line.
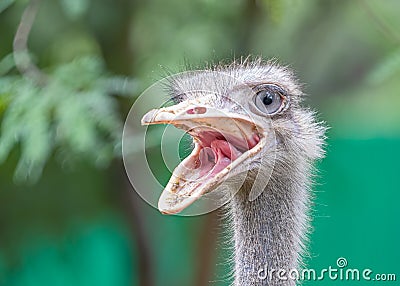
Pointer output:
197, 110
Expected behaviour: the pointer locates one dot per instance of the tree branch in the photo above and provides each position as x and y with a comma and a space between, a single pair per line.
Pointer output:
381, 23
22, 59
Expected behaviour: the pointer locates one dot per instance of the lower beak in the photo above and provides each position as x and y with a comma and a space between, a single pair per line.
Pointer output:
223, 140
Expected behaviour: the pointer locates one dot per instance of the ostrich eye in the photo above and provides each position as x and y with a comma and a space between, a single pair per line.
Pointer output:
269, 99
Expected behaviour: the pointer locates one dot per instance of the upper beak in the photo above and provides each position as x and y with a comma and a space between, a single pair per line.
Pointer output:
191, 114
222, 141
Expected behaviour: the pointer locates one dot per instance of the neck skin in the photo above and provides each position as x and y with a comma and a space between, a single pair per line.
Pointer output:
269, 231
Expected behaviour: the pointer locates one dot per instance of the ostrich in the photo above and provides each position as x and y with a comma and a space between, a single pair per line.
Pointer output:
246, 117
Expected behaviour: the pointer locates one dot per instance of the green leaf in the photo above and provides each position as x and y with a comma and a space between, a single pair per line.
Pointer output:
385, 69
6, 64
4, 4
75, 8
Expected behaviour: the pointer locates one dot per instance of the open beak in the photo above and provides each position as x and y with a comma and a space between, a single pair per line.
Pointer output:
223, 140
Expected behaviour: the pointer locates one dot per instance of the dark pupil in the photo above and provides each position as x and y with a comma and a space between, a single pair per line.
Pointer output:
268, 98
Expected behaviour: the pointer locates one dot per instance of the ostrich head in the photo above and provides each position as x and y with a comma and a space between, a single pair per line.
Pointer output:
247, 118
244, 117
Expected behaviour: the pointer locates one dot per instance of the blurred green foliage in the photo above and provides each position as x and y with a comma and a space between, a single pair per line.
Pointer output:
73, 228
5, 4
73, 112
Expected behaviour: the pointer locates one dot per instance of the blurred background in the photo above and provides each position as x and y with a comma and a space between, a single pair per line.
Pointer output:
68, 215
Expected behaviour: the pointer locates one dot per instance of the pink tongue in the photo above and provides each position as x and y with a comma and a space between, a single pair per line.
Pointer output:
221, 163
227, 149
207, 158
216, 158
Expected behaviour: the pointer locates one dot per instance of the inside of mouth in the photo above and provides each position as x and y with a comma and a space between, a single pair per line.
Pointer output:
216, 154
217, 151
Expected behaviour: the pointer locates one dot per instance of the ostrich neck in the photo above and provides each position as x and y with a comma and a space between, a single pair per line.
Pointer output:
268, 232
